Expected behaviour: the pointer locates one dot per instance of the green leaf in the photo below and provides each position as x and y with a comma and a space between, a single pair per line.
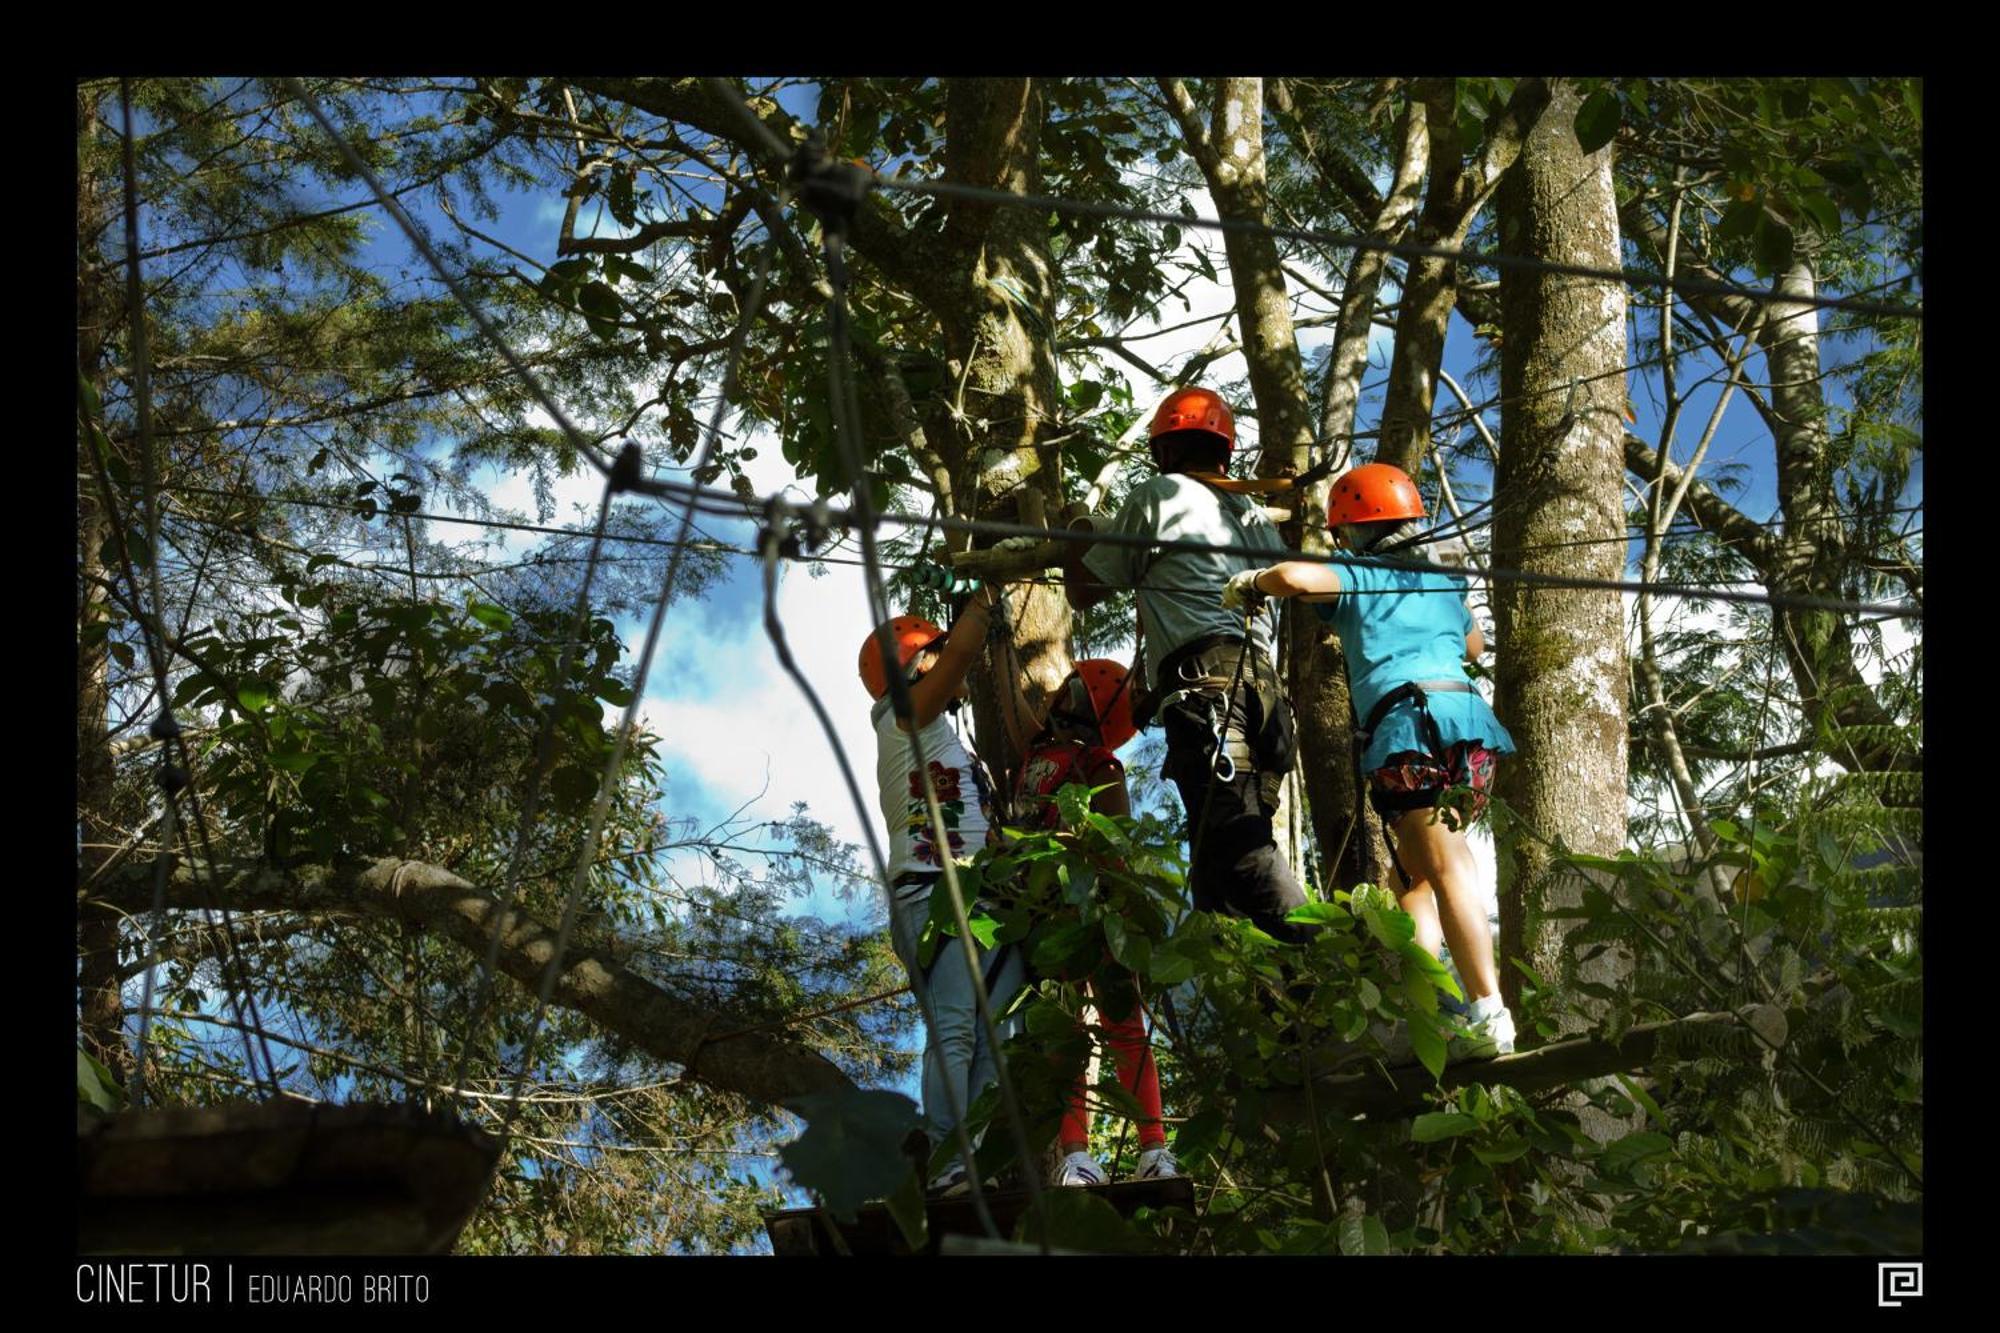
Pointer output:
906, 1207
1633, 1149
852, 1148
255, 695
599, 304
1114, 934
1086, 395
1417, 957
1363, 1235
1436, 1125
1772, 246
1079, 1220
1824, 213
1170, 968
293, 761
1506, 1151
983, 928
620, 267
493, 617
95, 1084
1643, 1097
1319, 914
1738, 221
1597, 120
1054, 949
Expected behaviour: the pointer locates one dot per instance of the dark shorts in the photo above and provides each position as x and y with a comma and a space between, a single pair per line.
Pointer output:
1455, 781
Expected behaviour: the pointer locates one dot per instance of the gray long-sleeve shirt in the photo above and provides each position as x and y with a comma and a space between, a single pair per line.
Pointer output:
1180, 591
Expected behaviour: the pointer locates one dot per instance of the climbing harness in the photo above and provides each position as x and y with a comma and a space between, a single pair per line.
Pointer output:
1412, 692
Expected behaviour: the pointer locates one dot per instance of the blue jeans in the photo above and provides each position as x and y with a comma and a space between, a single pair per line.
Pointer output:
957, 1055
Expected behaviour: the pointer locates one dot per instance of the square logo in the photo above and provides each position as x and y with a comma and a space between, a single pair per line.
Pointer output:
1896, 1282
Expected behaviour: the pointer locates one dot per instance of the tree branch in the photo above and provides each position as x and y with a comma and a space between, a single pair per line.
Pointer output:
1401, 1091
1713, 512
593, 982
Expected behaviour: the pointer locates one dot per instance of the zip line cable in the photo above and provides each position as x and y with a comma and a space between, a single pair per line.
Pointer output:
770, 540
736, 510
623, 474
173, 778
999, 528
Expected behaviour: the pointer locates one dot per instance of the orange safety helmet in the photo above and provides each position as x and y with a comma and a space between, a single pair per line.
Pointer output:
1195, 409
912, 634
1107, 683
1372, 492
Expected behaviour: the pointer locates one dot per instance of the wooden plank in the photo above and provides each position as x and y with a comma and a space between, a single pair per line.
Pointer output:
278, 1178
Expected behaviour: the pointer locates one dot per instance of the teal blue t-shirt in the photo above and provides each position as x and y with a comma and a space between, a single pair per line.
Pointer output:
1402, 625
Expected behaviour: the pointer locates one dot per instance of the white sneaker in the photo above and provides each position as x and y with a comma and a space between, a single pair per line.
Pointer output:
1492, 1030
1157, 1164
950, 1182
1080, 1168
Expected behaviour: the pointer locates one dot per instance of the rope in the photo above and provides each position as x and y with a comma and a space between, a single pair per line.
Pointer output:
848, 438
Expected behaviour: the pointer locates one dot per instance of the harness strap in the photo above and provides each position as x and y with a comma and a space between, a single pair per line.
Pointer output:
1417, 692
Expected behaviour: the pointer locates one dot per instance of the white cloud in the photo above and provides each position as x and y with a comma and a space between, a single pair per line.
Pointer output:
740, 724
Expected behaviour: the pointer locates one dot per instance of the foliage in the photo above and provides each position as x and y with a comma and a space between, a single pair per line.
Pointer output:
1738, 1147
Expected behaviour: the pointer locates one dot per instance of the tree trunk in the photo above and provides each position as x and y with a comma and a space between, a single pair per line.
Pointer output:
1810, 551
1806, 556
1230, 150
1453, 199
1430, 290
998, 324
1318, 675
1562, 678
101, 1000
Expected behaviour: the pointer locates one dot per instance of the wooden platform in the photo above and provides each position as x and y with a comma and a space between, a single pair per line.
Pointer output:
277, 1178
954, 1226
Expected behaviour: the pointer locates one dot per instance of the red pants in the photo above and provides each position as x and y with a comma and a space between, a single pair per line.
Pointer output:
1136, 1070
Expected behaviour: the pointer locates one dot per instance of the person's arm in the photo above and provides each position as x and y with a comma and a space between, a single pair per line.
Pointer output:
1303, 579
930, 695
1023, 723
1113, 800
1093, 572
1475, 643
1079, 585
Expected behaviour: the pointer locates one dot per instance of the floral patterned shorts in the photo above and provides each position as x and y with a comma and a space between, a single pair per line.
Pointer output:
1455, 782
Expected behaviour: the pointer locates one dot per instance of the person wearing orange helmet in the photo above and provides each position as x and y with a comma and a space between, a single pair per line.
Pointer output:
1089, 716
1427, 740
957, 1055
1213, 686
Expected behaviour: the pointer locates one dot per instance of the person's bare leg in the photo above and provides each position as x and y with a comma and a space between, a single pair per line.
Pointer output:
1440, 857
1421, 903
